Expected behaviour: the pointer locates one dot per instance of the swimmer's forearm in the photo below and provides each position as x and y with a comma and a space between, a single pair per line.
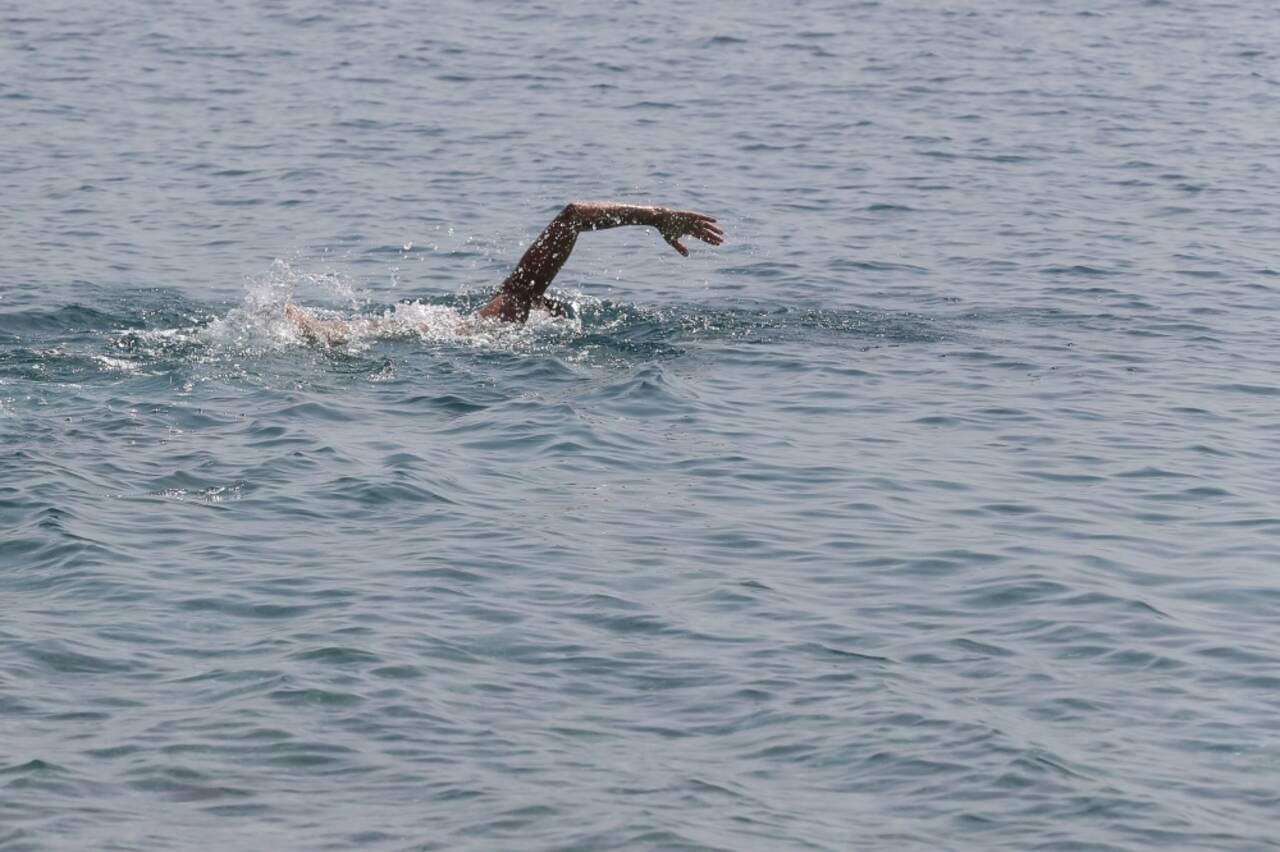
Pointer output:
598, 215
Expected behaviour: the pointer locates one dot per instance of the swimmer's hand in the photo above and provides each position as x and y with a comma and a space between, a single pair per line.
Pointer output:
674, 224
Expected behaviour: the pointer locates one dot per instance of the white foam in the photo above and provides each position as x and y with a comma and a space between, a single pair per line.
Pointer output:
260, 325
118, 364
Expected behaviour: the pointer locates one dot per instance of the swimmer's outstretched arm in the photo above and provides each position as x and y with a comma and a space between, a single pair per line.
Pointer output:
526, 284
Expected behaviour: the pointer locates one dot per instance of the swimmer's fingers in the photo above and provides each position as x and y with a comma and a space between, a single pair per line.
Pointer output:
701, 226
675, 243
708, 234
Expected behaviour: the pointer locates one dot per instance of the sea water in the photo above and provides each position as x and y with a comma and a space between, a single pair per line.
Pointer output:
936, 509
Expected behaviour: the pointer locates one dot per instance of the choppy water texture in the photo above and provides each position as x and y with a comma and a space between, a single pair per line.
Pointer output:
938, 509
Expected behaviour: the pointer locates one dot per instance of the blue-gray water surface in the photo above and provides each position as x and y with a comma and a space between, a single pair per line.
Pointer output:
936, 509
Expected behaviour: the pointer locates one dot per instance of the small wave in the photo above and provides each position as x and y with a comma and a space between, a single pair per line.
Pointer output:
165, 333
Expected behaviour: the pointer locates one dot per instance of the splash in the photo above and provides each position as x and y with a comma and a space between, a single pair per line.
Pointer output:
277, 287
119, 365
256, 326
261, 327
260, 324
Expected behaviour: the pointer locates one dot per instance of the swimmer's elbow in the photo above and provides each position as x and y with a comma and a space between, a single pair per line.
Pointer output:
588, 216
572, 214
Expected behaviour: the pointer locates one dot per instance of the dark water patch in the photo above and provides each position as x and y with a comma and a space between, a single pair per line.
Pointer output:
57, 657
451, 404
338, 656
1078, 270
179, 784
67, 319
1251, 389
240, 608
35, 765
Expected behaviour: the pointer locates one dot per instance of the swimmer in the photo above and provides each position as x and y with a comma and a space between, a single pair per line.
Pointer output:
524, 289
